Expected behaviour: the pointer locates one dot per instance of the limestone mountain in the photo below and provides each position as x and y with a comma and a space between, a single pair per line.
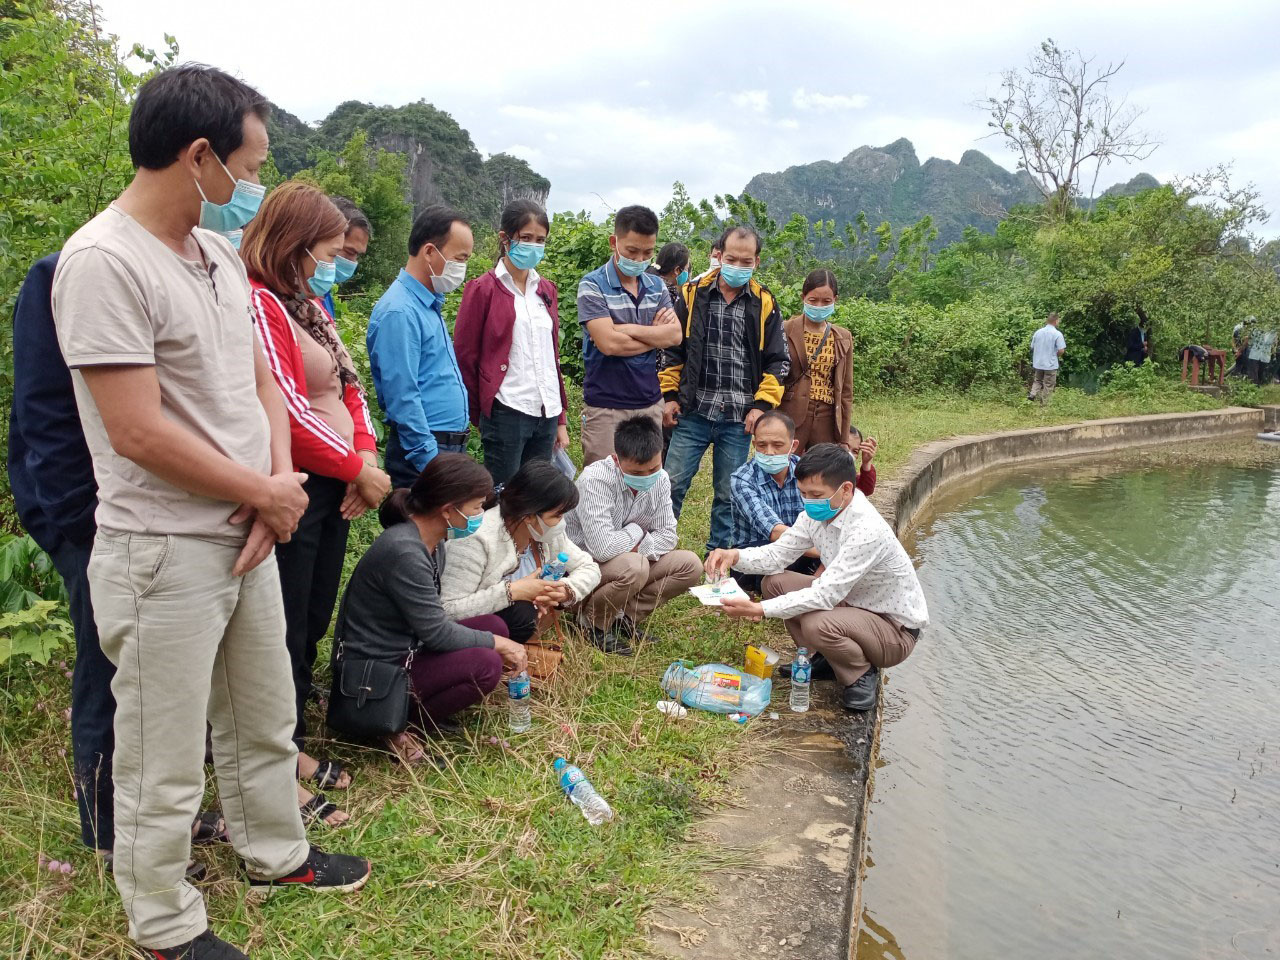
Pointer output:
444, 165
890, 183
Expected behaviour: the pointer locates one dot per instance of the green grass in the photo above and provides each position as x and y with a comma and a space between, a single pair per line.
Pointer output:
484, 859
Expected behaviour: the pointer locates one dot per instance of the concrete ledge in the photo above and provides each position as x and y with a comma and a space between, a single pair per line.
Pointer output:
935, 466
1271, 417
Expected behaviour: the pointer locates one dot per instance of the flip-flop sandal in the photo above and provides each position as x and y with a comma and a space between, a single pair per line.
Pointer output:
210, 827
317, 810
327, 775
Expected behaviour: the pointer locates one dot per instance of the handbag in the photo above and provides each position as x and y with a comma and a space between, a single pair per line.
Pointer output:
370, 698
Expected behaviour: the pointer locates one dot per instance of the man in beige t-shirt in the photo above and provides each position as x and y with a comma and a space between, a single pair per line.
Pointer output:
190, 446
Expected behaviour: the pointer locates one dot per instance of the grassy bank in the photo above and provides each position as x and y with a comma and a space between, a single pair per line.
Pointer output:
482, 858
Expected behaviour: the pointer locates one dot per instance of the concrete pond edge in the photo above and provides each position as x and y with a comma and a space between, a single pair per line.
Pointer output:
939, 465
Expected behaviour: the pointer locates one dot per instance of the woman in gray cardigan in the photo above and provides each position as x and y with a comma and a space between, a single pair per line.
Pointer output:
392, 605
497, 571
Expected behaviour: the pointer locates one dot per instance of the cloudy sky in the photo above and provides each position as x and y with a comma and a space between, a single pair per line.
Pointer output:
615, 101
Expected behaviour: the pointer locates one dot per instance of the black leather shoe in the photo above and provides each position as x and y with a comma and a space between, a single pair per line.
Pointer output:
634, 632
820, 669
862, 693
607, 641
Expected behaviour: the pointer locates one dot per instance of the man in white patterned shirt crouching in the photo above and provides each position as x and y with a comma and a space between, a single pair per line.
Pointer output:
866, 610
625, 521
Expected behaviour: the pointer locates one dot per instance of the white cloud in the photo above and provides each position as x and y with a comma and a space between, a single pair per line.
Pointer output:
803, 100
757, 101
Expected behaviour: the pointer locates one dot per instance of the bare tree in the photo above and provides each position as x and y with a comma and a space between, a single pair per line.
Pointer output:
1059, 116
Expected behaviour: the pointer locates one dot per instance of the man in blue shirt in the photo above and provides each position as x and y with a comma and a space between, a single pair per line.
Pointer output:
627, 317
766, 498
415, 372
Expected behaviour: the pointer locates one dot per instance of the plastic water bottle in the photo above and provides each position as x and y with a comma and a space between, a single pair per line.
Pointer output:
555, 569
579, 789
518, 702
800, 674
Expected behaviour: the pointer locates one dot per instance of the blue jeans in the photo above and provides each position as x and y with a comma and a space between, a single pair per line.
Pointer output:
692, 436
512, 438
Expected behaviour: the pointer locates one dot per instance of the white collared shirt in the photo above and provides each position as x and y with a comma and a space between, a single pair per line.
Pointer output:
530, 385
866, 567
611, 518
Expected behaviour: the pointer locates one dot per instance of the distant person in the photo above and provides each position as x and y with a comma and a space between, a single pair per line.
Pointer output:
190, 444
1136, 347
624, 520
1240, 347
627, 318
1047, 345
498, 568
818, 388
672, 267
355, 243
866, 610
726, 371
415, 372
507, 337
716, 256
289, 250
1261, 345
766, 496
391, 610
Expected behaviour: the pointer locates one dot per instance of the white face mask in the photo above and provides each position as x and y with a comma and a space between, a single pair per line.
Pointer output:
455, 271
544, 534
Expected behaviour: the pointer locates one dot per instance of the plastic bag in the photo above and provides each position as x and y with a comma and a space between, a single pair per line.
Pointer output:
560, 458
716, 687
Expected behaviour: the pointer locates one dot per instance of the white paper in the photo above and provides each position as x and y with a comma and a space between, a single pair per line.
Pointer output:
712, 594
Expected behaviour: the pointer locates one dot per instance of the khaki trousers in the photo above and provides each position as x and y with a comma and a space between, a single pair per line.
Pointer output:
633, 586
598, 424
1042, 384
852, 639
191, 641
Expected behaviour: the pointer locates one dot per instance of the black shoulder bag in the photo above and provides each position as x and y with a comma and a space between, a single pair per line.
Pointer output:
370, 698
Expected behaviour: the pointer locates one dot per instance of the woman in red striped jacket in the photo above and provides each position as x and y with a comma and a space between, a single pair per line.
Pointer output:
289, 249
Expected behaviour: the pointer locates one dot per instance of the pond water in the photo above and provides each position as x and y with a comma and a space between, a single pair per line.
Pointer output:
1082, 757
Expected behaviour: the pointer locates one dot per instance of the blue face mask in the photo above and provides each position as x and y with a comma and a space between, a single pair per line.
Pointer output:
773, 462
526, 256
321, 280
473, 524
736, 276
245, 200
343, 269
640, 484
818, 314
683, 278
821, 510
631, 268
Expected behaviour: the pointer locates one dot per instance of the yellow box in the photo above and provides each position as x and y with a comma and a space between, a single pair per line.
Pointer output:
760, 661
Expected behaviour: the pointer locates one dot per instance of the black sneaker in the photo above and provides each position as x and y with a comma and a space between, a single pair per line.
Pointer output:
820, 669
862, 693
336, 872
204, 947
606, 641
636, 633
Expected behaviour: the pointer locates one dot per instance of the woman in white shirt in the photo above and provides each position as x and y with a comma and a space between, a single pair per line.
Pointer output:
498, 569
507, 340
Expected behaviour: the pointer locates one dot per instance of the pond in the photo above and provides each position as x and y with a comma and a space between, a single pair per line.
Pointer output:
1082, 757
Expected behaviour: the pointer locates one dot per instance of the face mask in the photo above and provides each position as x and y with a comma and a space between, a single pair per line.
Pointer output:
344, 269
473, 524
821, 510
236, 212
683, 278
817, 314
641, 484
234, 238
526, 256
631, 268
773, 462
455, 271
321, 280
547, 533
736, 276
715, 261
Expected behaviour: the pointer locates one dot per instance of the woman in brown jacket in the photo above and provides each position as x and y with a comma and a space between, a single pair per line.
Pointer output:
819, 385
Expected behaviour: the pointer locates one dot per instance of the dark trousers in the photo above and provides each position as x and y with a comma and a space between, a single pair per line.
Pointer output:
512, 438
401, 471
93, 708
1258, 371
310, 570
446, 683
520, 619
754, 582
693, 434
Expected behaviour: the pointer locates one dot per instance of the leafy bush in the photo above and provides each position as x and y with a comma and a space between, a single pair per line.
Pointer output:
37, 632
27, 576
